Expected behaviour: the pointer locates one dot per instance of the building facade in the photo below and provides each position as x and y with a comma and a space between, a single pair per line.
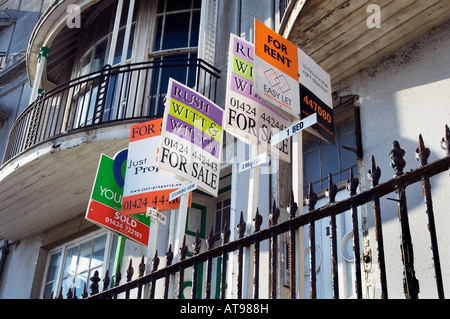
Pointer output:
75, 75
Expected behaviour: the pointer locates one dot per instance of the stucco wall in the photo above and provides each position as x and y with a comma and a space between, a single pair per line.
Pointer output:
402, 96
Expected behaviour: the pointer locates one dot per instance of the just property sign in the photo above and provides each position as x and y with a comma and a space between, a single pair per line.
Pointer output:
145, 184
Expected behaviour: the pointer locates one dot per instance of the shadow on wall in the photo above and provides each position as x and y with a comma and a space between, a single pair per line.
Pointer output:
404, 95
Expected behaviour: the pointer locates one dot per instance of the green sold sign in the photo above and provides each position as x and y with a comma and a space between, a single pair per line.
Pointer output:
107, 190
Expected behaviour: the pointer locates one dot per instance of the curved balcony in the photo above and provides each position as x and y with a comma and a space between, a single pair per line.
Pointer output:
54, 146
112, 95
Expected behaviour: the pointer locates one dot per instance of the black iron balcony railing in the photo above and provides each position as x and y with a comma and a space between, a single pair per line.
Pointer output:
113, 94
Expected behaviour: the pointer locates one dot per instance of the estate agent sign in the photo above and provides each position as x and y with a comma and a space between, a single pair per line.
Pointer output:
106, 201
145, 184
247, 116
288, 78
191, 139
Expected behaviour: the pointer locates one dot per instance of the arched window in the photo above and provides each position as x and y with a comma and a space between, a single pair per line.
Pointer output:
97, 38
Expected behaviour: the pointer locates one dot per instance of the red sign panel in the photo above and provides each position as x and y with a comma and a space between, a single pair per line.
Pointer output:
125, 225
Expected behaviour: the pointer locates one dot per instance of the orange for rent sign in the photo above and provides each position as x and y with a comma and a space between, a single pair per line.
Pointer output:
288, 78
276, 50
276, 66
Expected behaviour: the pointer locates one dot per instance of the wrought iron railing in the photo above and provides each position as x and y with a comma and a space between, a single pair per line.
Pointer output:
113, 94
397, 185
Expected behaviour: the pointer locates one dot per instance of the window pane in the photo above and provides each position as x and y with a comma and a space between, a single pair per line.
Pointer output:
80, 280
112, 254
130, 44
124, 16
120, 43
192, 72
161, 6
99, 58
99, 251
176, 32
195, 29
225, 216
348, 158
49, 288
53, 266
308, 147
66, 285
119, 47
85, 63
346, 129
104, 22
197, 4
85, 256
312, 167
80, 263
157, 46
70, 264
174, 5
330, 163
218, 221
89, 35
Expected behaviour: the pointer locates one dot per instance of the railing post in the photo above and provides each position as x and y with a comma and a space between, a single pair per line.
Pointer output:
106, 281
169, 259
94, 283
410, 282
84, 295
422, 155
60, 296
102, 94
209, 246
182, 253
241, 231
34, 122
117, 279
155, 264
129, 272
225, 238
258, 222
374, 177
331, 192
141, 269
445, 143
196, 247
311, 201
273, 218
70, 295
293, 208
352, 185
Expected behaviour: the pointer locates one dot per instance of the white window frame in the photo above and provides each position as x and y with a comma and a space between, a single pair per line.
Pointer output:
205, 48
341, 175
65, 247
153, 53
221, 199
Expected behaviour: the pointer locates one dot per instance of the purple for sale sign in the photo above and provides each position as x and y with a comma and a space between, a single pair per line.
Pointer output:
191, 140
248, 117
